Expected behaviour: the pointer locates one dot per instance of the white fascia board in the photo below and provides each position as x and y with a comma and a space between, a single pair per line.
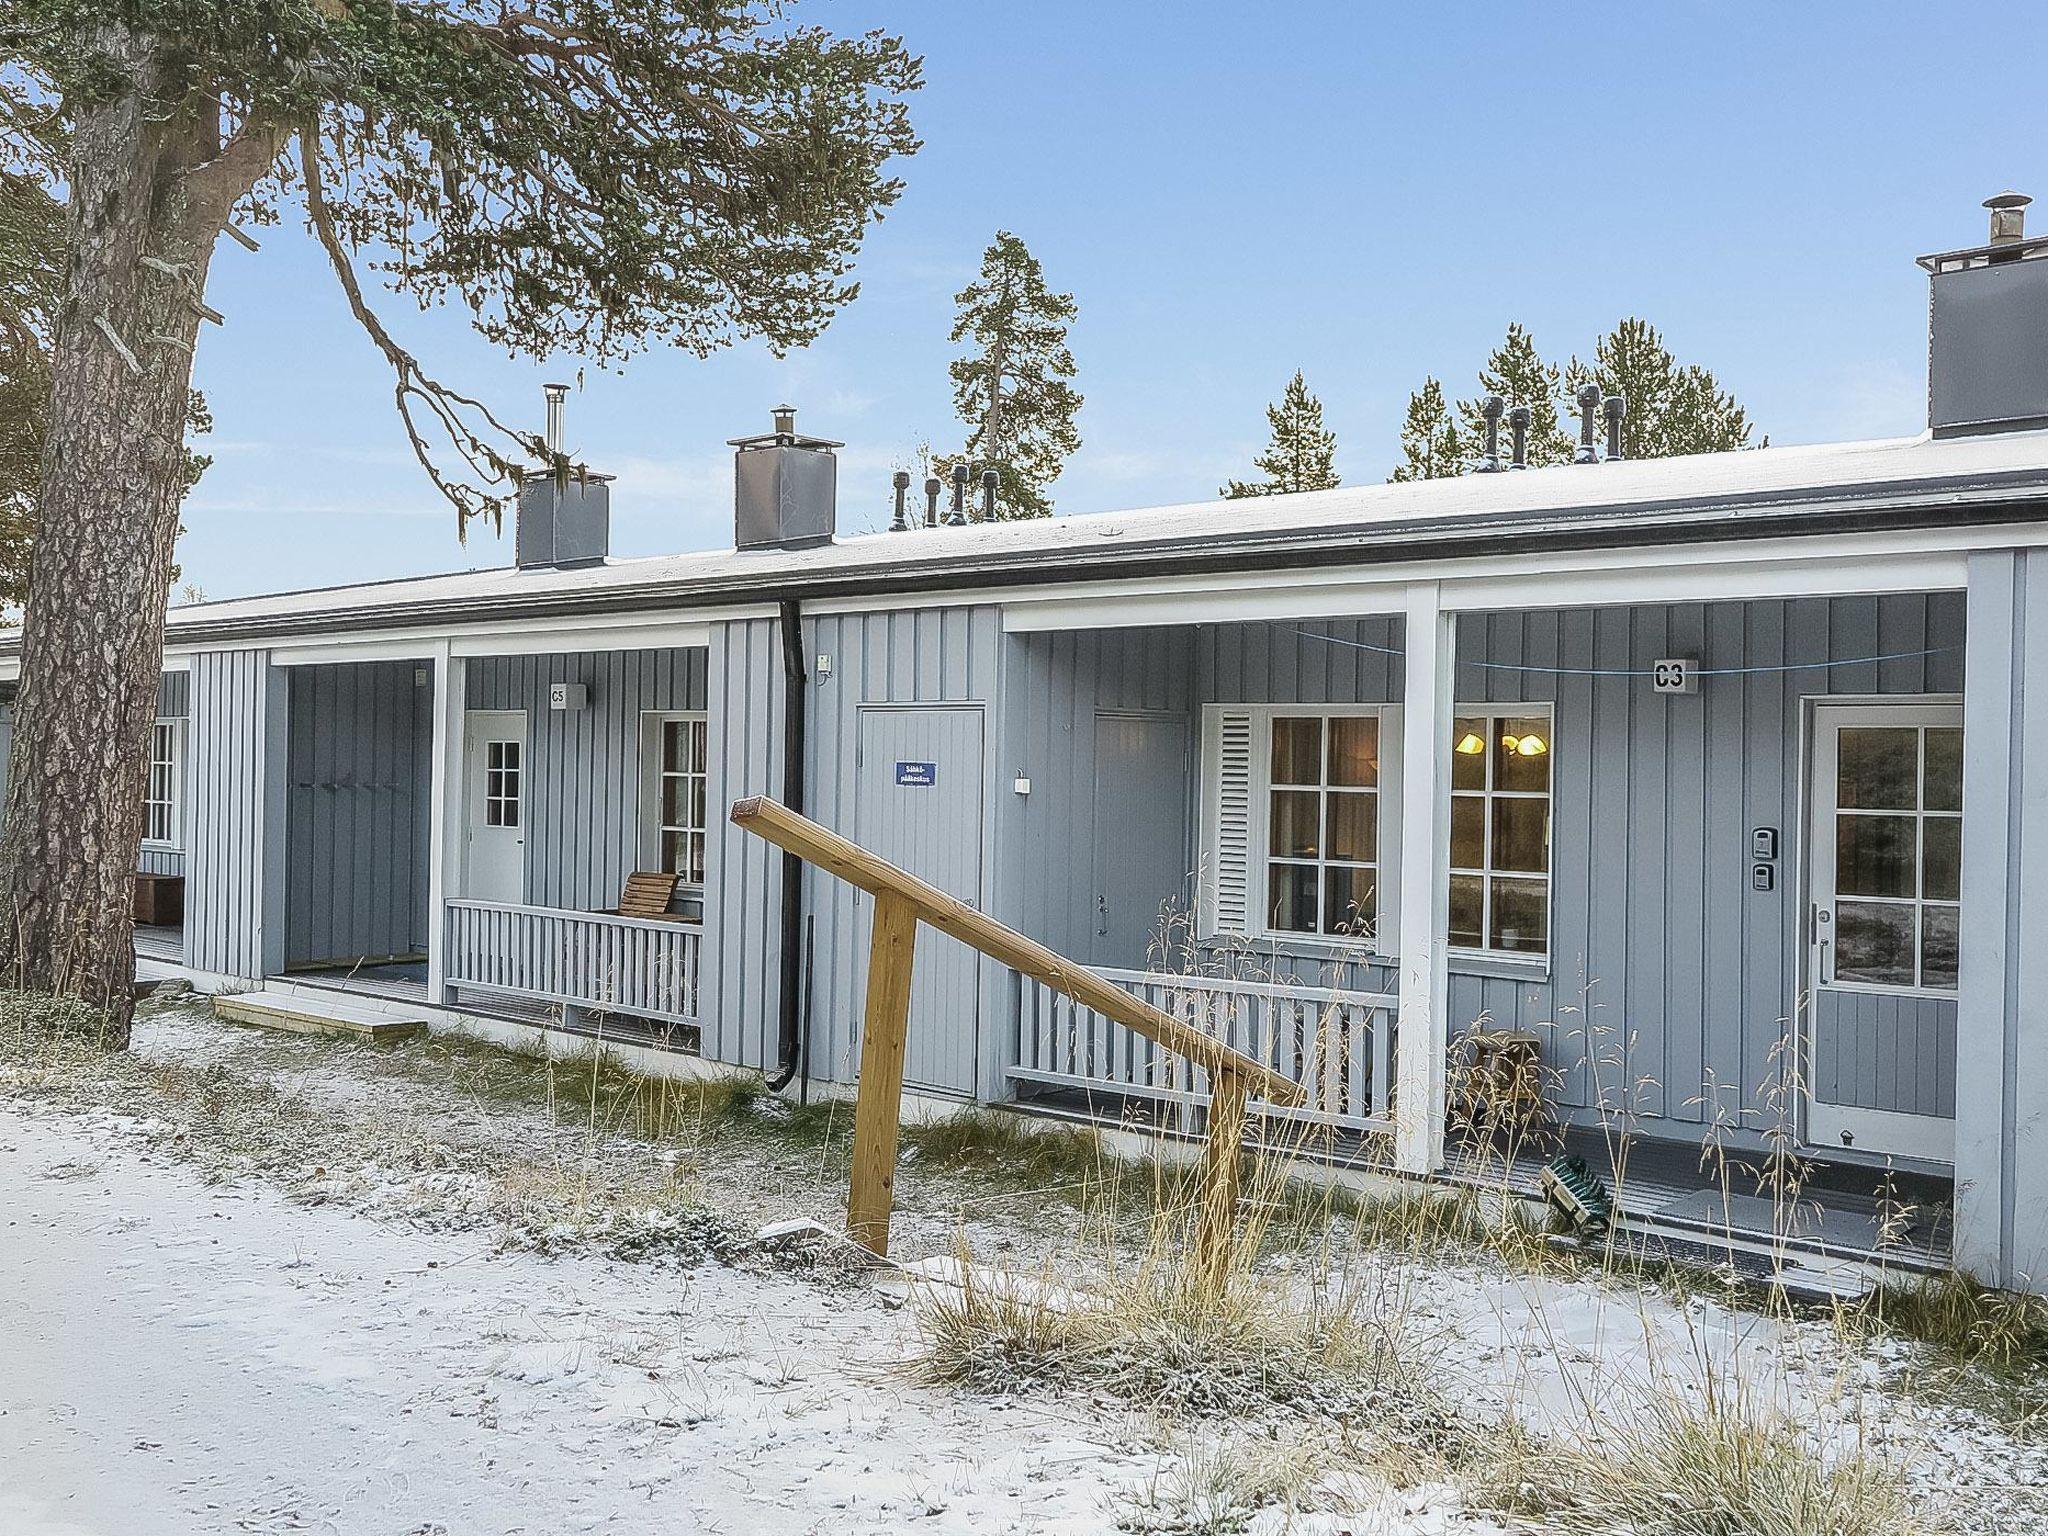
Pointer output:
607, 632
1918, 560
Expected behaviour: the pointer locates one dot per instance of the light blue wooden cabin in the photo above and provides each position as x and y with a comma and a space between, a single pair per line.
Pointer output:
1724, 779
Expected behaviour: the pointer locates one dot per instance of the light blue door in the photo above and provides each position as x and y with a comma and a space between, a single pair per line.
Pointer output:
1142, 828
918, 804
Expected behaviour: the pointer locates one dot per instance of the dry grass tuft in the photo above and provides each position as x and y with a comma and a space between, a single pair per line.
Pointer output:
990, 1144
2004, 1332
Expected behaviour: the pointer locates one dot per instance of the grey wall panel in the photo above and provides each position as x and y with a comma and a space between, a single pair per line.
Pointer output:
1885, 1052
583, 778
358, 767
743, 878
234, 819
174, 696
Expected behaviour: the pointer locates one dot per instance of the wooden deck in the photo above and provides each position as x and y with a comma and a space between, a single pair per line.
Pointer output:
303, 1014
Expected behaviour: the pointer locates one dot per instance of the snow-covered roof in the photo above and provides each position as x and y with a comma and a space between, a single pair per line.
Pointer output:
1713, 495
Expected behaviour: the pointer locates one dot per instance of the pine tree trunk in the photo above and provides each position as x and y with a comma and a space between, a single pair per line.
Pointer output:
113, 475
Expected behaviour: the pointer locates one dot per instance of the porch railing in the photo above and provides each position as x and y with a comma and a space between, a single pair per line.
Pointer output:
1338, 1045
585, 960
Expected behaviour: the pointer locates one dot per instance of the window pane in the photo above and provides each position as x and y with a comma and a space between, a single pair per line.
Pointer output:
494, 812
494, 753
672, 853
693, 870
510, 818
1521, 916
1469, 740
512, 755
1521, 834
1297, 750
1522, 753
1878, 768
1348, 901
1939, 928
1941, 869
1874, 942
697, 803
674, 801
672, 746
1296, 814
1354, 826
1468, 911
1468, 832
1291, 889
1944, 789
1874, 856
699, 739
1354, 750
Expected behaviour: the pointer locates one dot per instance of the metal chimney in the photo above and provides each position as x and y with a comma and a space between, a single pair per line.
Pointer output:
1490, 410
785, 487
1616, 407
556, 437
1518, 423
1988, 308
1589, 402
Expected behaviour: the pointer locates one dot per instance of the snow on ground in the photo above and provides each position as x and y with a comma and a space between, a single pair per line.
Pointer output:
337, 1319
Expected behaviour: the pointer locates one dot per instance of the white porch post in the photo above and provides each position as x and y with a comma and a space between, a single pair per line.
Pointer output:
2001, 1231
444, 838
1422, 1031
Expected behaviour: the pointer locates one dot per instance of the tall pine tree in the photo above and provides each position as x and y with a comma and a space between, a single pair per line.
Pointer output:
1012, 388
1432, 446
1672, 410
1517, 373
1302, 454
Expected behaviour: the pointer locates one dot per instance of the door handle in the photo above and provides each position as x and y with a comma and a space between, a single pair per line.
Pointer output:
1823, 939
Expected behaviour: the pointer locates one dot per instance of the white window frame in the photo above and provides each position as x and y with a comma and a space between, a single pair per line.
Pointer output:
1386, 868
1530, 959
653, 723
173, 802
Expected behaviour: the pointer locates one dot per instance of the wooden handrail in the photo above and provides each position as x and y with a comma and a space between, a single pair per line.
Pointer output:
852, 863
902, 901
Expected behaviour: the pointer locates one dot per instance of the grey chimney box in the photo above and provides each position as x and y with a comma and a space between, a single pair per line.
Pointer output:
785, 487
565, 511
1987, 352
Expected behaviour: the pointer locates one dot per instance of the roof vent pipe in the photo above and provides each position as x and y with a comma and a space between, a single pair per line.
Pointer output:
989, 481
931, 501
557, 434
957, 518
1616, 407
1589, 403
1518, 423
2008, 217
1490, 409
900, 523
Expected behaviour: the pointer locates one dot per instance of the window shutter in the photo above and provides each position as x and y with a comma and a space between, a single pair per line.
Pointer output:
1230, 823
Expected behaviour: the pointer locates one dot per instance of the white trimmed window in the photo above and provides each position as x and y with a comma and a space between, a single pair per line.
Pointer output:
1292, 812
673, 754
1500, 829
166, 772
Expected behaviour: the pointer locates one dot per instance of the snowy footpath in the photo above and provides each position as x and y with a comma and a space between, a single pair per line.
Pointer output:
185, 1358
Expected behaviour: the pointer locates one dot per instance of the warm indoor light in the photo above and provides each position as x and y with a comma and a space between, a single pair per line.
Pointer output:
1470, 745
1531, 745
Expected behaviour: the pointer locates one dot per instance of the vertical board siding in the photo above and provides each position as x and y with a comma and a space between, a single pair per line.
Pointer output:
1670, 987
740, 979
358, 817
583, 834
232, 813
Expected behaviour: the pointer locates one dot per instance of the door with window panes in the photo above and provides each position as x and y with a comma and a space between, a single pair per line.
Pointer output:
676, 828
1500, 832
1322, 852
1883, 928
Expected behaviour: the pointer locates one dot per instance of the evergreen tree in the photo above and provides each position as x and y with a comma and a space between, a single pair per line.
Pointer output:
1671, 409
1302, 454
1432, 447
1012, 388
1517, 373
584, 176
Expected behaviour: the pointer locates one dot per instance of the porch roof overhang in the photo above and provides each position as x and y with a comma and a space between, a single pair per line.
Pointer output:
1891, 501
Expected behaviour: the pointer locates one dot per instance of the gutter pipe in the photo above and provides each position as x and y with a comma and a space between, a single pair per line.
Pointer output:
790, 1053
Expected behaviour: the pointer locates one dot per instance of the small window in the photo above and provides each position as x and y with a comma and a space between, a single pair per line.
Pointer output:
674, 795
1322, 824
1500, 831
501, 783
160, 800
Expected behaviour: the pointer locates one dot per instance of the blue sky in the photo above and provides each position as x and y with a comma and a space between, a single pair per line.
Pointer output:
1367, 193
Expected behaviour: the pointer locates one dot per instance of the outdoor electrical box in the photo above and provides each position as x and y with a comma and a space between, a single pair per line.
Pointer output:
1763, 843
1763, 877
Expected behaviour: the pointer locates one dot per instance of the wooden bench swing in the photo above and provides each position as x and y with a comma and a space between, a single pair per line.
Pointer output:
902, 901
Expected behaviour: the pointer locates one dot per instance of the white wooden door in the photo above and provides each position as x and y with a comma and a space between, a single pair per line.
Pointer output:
1883, 927
494, 806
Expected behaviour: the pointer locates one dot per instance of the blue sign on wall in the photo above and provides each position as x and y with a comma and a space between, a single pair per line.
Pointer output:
917, 775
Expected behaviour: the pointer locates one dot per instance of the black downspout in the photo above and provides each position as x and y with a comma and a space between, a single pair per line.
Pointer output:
795, 716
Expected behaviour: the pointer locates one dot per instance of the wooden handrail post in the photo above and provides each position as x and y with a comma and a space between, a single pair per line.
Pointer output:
1222, 1165
878, 1103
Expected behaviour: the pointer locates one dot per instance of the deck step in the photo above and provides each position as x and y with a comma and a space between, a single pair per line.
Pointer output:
305, 1015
